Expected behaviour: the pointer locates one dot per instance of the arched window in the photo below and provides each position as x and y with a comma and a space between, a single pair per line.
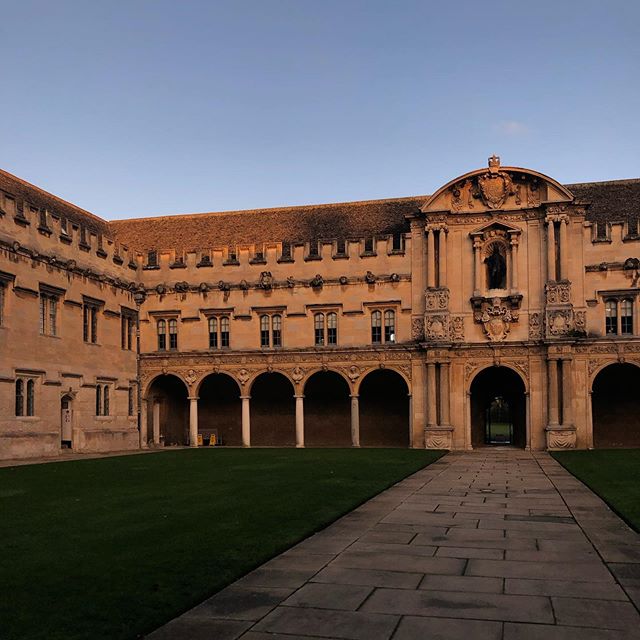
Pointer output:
162, 335
318, 325
224, 331
332, 328
213, 333
105, 401
31, 400
264, 331
626, 317
389, 326
173, 334
19, 397
611, 317
376, 327
276, 331
98, 400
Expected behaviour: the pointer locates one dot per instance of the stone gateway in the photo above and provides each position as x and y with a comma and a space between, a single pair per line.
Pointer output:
501, 310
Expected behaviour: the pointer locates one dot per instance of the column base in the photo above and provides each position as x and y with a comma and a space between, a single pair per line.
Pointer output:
560, 437
299, 446
438, 437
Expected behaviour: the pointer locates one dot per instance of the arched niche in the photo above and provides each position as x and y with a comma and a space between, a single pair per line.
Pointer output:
273, 418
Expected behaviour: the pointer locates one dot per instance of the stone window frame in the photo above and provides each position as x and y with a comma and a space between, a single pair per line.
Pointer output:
90, 310
25, 396
271, 329
368, 247
325, 335
127, 329
219, 338
613, 301
103, 400
49, 312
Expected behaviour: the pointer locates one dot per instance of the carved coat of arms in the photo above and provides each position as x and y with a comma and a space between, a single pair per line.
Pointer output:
495, 188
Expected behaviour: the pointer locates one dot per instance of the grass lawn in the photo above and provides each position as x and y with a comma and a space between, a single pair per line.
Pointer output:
114, 547
614, 474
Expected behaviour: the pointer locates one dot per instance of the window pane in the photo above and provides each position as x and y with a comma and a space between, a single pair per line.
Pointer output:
341, 247
626, 317
376, 327
43, 313
98, 400
31, 398
173, 334
19, 397
389, 326
276, 333
94, 324
162, 338
173, 326
611, 317
131, 407
332, 328
1, 304
53, 309
264, 331
318, 326
224, 332
85, 323
106, 401
397, 242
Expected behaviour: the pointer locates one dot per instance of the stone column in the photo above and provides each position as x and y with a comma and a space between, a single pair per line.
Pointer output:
442, 280
193, 421
355, 420
514, 264
551, 250
567, 392
431, 395
144, 444
552, 365
564, 249
477, 269
299, 421
246, 421
156, 422
431, 258
417, 267
445, 418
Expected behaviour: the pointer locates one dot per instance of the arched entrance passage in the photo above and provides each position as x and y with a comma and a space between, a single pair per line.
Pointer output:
384, 410
616, 407
327, 410
66, 422
220, 410
168, 411
273, 412
498, 408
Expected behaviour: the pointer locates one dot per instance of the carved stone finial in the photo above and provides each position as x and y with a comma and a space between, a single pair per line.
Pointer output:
494, 163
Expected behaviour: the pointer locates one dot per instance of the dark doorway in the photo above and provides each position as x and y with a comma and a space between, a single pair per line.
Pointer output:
384, 410
168, 399
498, 408
66, 422
616, 407
327, 411
220, 411
273, 411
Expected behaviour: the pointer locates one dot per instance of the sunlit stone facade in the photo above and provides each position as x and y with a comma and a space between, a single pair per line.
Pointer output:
502, 309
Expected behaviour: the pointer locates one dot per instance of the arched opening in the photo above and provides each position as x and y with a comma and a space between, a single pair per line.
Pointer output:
168, 411
384, 410
327, 410
616, 406
220, 411
498, 408
273, 413
66, 422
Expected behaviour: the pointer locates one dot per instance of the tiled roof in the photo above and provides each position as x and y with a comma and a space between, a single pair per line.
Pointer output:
24, 192
610, 201
291, 224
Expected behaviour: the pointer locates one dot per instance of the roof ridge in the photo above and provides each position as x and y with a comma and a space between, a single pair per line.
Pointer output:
324, 205
604, 182
52, 195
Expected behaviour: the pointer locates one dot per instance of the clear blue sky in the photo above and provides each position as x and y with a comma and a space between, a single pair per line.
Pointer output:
147, 107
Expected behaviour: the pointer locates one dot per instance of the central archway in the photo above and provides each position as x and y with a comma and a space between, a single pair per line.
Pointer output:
327, 410
219, 410
273, 418
498, 408
616, 406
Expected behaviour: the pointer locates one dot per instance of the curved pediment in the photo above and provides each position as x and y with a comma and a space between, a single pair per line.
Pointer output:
497, 189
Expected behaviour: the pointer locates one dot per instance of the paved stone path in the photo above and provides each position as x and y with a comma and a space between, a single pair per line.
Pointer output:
489, 545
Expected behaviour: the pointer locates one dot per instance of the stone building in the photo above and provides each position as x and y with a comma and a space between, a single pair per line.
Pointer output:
501, 310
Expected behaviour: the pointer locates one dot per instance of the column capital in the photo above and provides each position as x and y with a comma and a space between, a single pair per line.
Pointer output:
192, 398
298, 395
245, 397
354, 395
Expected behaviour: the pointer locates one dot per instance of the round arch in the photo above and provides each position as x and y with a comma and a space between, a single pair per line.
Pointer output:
251, 381
273, 418
174, 374
384, 409
168, 410
220, 409
615, 406
197, 387
503, 365
327, 410
303, 382
498, 407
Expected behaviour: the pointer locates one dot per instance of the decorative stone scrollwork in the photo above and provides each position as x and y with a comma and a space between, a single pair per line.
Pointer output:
243, 376
558, 292
580, 320
457, 328
354, 373
437, 298
496, 318
535, 326
417, 329
561, 438
437, 327
438, 438
297, 374
593, 365
559, 322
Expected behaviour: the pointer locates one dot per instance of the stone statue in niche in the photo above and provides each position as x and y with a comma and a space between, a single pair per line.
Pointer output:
496, 269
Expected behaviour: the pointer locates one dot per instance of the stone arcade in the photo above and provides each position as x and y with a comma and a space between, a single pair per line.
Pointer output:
502, 309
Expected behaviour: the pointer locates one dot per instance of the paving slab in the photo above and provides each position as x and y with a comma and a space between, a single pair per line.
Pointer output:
494, 544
